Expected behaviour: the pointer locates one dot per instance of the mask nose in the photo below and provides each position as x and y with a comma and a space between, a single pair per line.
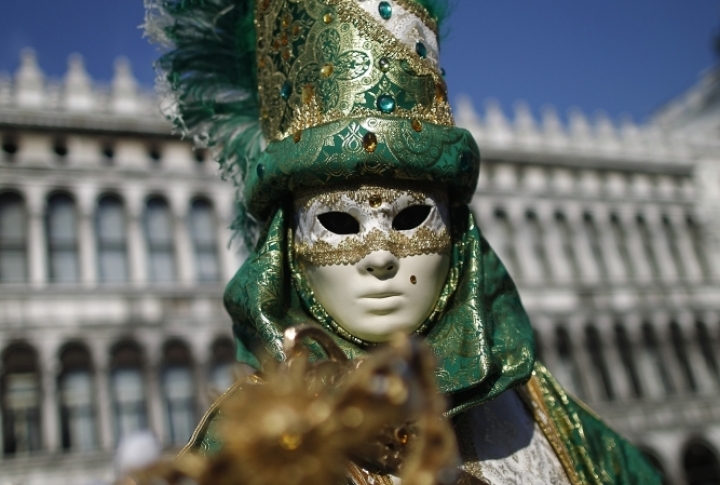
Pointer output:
381, 264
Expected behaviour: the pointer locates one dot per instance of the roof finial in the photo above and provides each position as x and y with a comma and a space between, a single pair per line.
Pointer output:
124, 88
29, 81
78, 95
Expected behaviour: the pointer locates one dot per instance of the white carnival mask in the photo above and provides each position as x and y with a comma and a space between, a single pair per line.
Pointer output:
376, 258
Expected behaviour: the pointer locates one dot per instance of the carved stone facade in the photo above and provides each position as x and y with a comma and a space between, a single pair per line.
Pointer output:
114, 253
113, 259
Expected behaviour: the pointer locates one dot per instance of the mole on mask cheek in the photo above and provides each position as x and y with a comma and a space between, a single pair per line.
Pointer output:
376, 259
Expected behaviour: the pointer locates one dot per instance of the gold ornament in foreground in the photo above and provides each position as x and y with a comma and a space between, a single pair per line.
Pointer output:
327, 422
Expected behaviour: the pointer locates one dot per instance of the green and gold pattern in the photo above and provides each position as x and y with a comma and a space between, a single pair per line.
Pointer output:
479, 330
321, 61
334, 154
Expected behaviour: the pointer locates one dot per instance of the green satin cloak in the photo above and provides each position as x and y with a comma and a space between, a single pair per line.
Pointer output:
479, 331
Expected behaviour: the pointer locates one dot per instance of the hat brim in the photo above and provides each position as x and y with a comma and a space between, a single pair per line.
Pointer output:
355, 150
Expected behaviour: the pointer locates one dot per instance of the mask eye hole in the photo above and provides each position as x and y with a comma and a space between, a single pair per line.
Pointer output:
339, 222
411, 217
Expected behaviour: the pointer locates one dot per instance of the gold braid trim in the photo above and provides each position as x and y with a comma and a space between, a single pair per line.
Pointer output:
532, 394
352, 250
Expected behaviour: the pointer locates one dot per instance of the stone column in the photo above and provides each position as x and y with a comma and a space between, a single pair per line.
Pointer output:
669, 449
201, 371
86, 199
103, 403
647, 369
617, 273
50, 423
707, 206
691, 269
560, 266
641, 270
663, 254
37, 239
589, 270
137, 249
184, 257
619, 374
496, 234
223, 203
699, 367
530, 267
661, 325
154, 391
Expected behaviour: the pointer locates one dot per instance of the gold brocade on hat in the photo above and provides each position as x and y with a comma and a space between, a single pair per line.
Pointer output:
321, 61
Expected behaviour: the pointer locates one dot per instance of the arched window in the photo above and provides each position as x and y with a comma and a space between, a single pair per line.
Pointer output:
203, 231
21, 400
701, 464
595, 348
223, 358
77, 416
62, 239
111, 240
160, 242
13, 239
179, 392
128, 389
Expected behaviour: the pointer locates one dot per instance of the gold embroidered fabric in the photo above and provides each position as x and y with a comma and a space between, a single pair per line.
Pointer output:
321, 61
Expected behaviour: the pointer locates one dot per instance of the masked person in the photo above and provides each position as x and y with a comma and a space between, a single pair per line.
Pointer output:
332, 117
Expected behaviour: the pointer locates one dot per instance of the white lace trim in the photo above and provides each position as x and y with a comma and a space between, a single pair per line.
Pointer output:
407, 27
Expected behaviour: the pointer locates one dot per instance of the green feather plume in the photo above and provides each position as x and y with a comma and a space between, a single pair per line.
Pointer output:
208, 79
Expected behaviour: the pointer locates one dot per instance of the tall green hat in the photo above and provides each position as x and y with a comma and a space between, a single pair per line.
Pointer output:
296, 95
335, 91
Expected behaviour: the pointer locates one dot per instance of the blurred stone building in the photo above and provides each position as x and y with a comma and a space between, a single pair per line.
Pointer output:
113, 259
114, 254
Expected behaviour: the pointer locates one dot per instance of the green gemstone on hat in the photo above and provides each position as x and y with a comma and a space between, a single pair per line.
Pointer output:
421, 50
385, 10
286, 90
386, 103
260, 171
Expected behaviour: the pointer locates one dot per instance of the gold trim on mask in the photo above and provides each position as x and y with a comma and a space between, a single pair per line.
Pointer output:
352, 250
366, 194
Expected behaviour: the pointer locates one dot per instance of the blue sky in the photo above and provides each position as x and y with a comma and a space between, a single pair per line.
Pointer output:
626, 57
